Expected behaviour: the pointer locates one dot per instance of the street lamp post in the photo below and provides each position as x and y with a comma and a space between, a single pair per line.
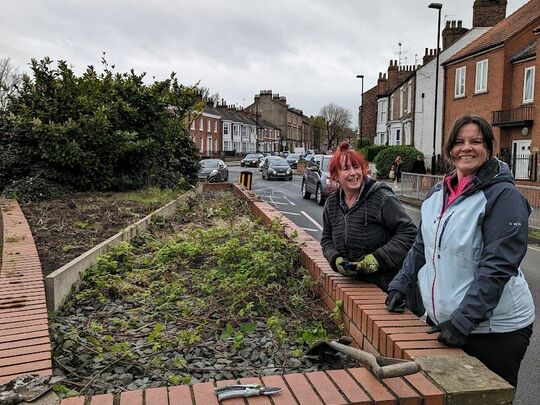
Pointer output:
361, 109
437, 6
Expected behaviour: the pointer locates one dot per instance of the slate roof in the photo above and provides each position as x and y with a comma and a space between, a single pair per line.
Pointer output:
501, 32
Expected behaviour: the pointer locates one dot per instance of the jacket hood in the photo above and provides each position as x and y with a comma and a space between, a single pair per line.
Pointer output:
491, 172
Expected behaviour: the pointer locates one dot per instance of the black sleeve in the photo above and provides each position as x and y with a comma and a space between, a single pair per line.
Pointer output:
327, 241
414, 261
403, 230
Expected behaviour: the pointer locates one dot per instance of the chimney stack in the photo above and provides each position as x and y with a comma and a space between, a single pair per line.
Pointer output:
452, 32
487, 13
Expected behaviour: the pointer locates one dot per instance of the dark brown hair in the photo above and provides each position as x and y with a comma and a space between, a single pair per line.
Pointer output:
483, 125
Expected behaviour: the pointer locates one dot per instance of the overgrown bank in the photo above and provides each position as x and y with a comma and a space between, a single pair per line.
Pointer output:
210, 294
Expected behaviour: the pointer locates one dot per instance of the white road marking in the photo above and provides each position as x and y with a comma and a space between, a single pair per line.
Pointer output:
533, 248
270, 196
290, 202
277, 203
312, 220
309, 229
289, 213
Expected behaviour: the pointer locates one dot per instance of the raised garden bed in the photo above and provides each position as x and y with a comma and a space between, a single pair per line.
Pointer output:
208, 294
66, 227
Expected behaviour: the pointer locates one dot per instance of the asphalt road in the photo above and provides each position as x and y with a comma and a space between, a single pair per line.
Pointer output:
285, 197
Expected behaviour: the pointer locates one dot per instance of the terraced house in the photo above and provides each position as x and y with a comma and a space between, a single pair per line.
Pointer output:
496, 76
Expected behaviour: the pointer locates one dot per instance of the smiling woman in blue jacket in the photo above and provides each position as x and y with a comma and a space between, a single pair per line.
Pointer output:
467, 253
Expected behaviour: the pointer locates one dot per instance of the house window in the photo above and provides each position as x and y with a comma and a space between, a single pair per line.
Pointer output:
201, 125
481, 76
208, 126
528, 85
459, 87
225, 129
392, 107
382, 110
193, 126
215, 126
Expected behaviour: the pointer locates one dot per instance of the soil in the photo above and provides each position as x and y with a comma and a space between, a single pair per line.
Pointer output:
66, 227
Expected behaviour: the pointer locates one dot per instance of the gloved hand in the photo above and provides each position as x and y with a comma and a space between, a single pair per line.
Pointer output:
367, 265
450, 335
343, 267
395, 302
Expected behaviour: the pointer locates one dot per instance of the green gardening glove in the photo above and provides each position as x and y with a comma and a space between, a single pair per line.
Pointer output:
367, 265
343, 269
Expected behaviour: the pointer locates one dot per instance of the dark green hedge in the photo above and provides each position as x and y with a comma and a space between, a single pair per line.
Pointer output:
99, 131
386, 157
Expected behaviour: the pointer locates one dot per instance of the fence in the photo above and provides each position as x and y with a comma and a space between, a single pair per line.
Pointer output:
416, 186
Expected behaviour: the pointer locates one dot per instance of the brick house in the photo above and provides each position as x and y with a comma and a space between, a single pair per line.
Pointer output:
496, 76
206, 131
295, 128
377, 101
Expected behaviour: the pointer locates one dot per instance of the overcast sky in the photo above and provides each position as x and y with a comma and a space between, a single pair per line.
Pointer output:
307, 50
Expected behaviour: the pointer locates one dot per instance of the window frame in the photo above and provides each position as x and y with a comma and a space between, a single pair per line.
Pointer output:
481, 79
525, 71
461, 75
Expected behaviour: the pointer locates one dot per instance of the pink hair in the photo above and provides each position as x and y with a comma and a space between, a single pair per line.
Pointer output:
351, 156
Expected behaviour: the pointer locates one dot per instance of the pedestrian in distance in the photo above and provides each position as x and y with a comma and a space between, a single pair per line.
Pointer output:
398, 163
418, 167
366, 231
467, 253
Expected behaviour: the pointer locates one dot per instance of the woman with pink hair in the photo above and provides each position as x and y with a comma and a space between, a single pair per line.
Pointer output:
366, 231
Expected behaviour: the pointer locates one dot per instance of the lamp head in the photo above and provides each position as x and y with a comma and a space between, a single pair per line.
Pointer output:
360, 76
437, 6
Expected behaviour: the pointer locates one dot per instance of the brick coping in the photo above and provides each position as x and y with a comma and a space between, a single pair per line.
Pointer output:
24, 336
364, 317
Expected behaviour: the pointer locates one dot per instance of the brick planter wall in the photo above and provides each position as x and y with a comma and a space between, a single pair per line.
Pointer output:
24, 336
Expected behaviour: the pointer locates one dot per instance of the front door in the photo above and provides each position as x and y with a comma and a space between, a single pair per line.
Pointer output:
521, 151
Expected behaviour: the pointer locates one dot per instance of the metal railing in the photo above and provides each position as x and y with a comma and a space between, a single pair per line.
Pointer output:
416, 186
515, 116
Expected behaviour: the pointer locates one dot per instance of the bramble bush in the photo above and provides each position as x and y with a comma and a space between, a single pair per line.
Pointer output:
386, 157
97, 131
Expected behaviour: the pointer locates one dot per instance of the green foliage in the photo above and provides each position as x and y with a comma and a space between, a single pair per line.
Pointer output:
386, 157
361, 145
33, 188
98, 131
371, 152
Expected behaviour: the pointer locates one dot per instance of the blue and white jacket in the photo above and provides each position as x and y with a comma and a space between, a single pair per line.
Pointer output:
466, 257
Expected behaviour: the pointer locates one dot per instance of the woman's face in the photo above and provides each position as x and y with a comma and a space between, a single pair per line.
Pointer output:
350, 176
469, 151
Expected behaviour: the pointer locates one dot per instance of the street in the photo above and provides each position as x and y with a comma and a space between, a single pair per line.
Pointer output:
285, 197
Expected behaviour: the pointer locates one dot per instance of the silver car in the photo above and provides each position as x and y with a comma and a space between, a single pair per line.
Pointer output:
317, 179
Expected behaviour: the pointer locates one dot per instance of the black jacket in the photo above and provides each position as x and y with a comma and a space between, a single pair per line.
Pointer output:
377, 223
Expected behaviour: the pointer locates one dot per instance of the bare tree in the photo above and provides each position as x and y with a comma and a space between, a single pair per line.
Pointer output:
9, 78
338, 120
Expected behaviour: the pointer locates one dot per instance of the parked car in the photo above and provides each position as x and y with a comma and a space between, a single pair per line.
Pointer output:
213, 170
277, 168
251, 159
293, 159
317, 179
308, 157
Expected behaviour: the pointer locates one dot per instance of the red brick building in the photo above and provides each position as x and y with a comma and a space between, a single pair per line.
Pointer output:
496, 76
206, 132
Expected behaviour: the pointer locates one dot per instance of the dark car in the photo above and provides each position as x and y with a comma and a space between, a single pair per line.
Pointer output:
292, 159
317, 179
275, 167
251, 159
213, 170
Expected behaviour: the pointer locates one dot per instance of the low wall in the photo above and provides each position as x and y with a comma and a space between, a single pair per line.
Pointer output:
24, 335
